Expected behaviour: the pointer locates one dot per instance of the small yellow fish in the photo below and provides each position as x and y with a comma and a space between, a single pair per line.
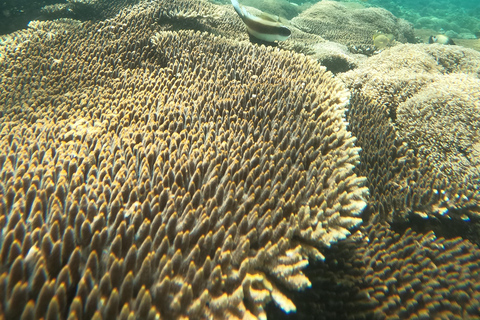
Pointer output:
383, 40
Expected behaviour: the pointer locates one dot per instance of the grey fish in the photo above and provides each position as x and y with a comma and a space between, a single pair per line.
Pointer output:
265, 27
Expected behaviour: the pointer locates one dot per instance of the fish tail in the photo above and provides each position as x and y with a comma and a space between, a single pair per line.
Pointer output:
241, 11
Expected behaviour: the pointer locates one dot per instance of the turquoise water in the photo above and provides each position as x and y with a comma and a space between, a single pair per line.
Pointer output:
461, 17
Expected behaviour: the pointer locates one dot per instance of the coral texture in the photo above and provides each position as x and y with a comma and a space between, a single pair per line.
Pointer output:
419, 275
281, 8
398, 180
351, 26
398, 73
165, 175
442, 121
384, 274
396, 85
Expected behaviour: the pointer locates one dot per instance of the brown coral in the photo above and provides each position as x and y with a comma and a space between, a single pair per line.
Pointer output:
385, 160
166, 175
398, 73
410, 181
386, 274
443, 122
420, 275
351, 26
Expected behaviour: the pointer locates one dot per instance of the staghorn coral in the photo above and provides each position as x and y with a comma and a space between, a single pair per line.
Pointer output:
384, 274
351, 26
166, 175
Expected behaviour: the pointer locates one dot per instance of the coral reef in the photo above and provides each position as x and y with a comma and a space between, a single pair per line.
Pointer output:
398, 81
419, 275
396, 74
335, 56
281, 8
165, 175
384, 274
442, 121
15, 15
399, 182
203, 15
336, 22
157, 165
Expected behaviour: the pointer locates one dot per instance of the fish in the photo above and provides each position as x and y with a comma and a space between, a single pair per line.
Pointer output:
442, 39
265, 27
383, 40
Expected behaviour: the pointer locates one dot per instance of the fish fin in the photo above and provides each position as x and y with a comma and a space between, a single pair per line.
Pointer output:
237, 8
241, 11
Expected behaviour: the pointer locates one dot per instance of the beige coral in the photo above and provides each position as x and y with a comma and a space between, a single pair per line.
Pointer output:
335, 21
167, 175
410, 89
443, 122
380, 273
